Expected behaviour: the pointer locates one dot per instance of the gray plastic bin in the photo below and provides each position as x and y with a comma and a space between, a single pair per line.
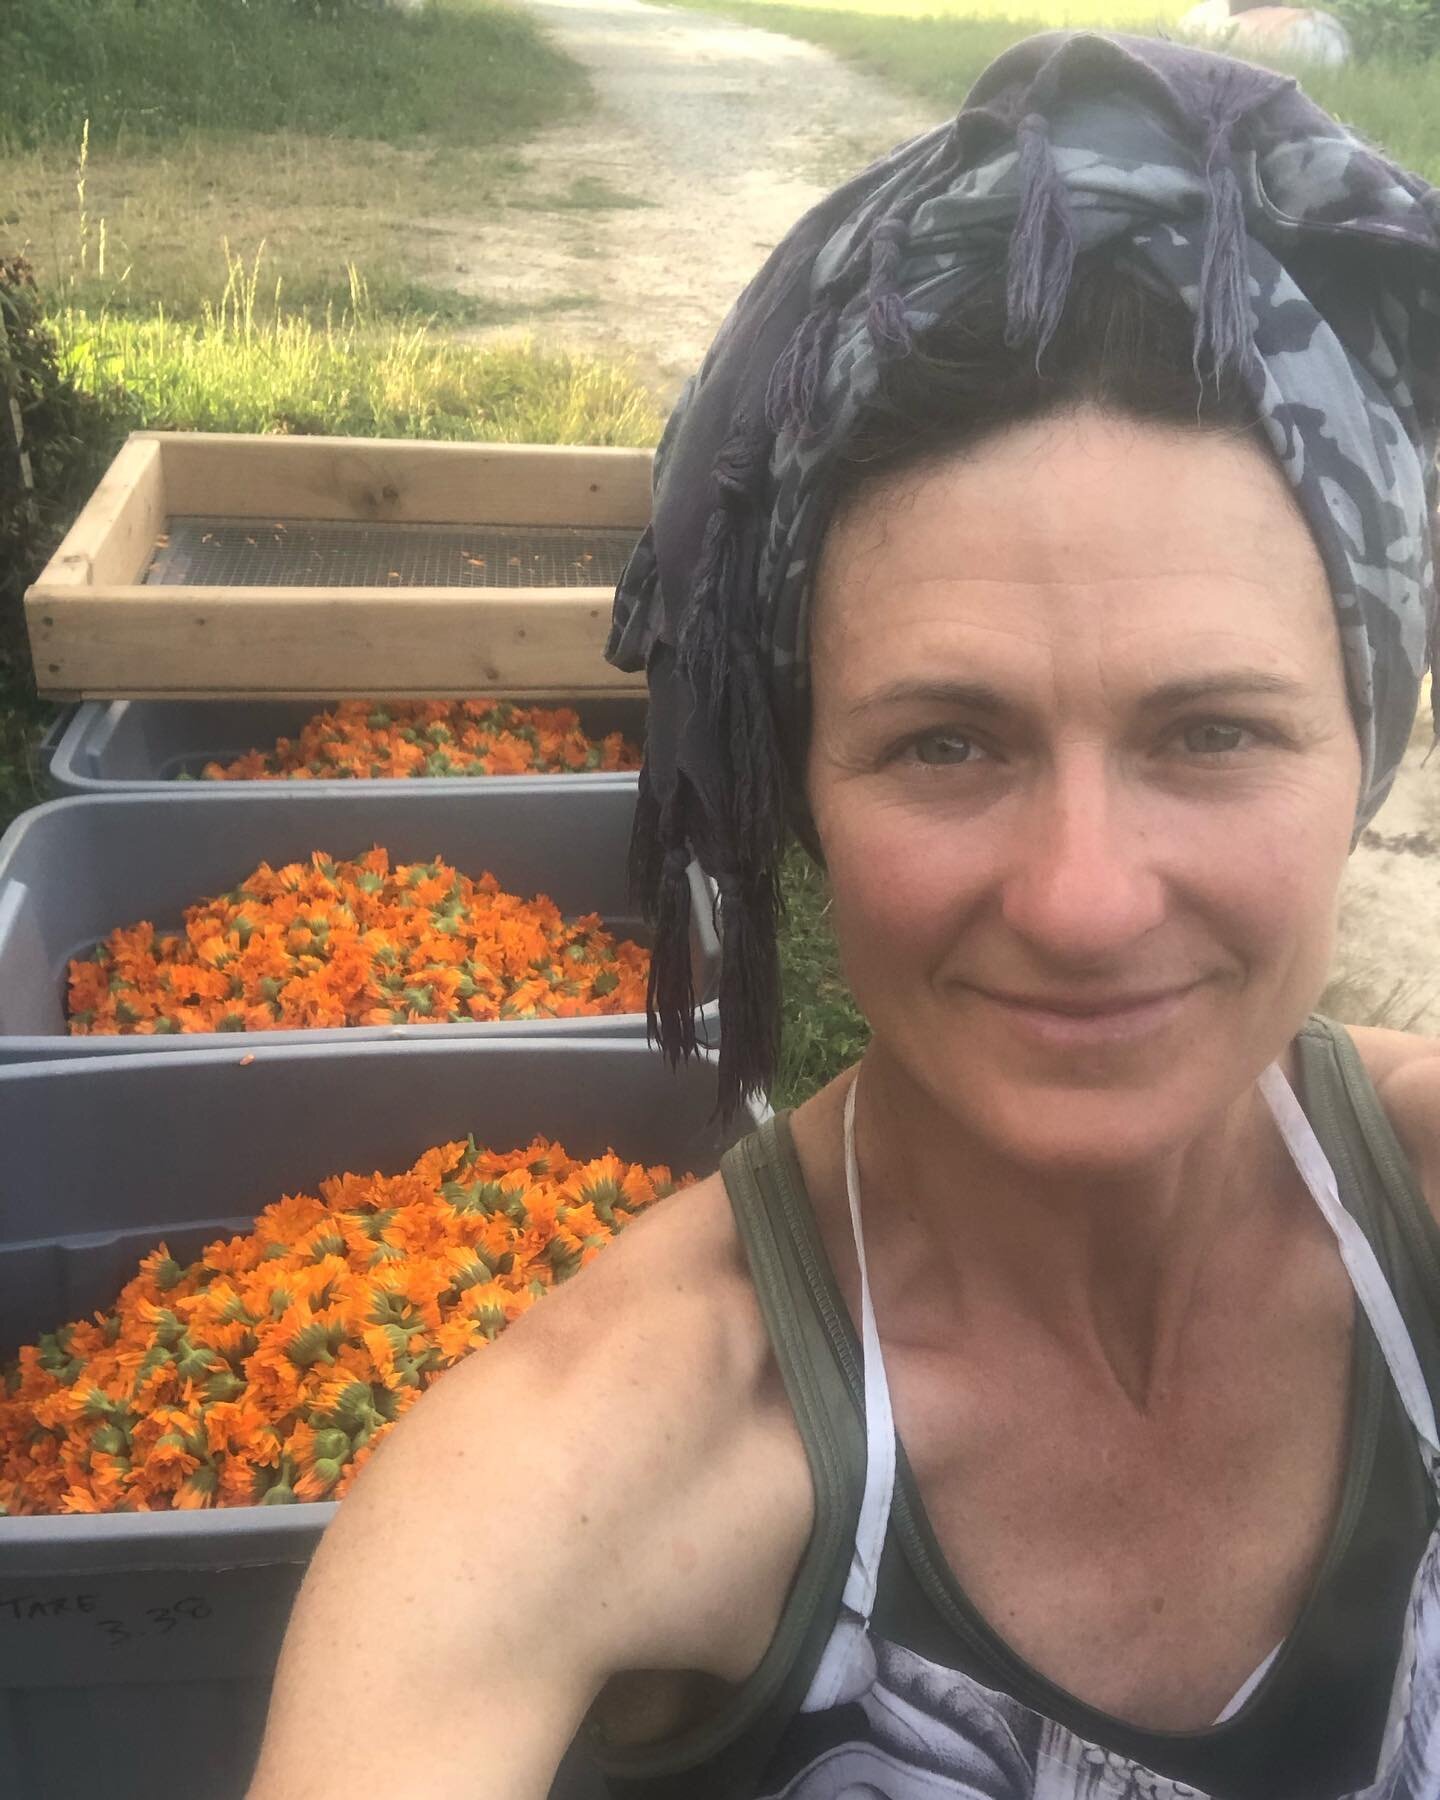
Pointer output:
136, 1651
144, 746
71, 871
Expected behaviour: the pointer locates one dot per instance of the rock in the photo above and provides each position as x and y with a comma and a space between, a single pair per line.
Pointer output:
1292, 33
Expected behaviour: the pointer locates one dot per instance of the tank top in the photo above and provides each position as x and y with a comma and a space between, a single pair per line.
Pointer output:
884, 1683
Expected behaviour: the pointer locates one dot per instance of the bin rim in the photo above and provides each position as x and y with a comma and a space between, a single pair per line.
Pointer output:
704, 898
68, 742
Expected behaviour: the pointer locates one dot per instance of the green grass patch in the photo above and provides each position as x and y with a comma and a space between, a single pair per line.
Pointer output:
353, 373
463, 72
936, 52
823, 1032
590, 193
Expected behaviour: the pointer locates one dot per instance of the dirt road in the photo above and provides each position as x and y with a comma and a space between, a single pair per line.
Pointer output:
634, 229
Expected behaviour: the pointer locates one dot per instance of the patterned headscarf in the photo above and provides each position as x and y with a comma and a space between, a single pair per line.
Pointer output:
1311, 266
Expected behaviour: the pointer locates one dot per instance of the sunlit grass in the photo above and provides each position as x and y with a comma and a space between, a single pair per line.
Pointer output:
244, 367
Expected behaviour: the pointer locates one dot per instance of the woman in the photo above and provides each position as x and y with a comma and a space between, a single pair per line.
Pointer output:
1046, 541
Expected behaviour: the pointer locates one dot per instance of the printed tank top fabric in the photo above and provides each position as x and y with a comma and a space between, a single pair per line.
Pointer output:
882, 1723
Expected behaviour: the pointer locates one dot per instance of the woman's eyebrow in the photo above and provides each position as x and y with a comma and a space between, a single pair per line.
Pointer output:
970, 696
981, 697
1218, 682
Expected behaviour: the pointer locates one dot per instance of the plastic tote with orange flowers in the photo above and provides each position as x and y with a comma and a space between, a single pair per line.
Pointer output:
134, 923
136, 1648
150, 746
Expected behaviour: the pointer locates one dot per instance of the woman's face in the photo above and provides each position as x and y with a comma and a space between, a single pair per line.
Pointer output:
1084, 776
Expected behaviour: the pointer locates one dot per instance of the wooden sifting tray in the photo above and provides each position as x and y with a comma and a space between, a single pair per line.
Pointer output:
210, 565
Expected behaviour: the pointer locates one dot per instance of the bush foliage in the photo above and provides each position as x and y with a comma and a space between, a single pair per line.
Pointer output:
55, 442
1392, 28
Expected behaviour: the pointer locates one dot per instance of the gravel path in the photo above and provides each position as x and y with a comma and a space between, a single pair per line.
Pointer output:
634, 228
1387, 960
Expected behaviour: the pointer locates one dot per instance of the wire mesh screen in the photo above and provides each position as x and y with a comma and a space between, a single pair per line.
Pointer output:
203, 552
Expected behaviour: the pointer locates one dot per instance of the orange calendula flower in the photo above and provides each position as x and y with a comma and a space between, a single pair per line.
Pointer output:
328, 944
398, 739
267, 1371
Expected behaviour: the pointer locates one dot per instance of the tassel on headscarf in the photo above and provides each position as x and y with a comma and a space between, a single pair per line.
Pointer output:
1222, 323
885, 314
793, 392
707, 629
1042, 245
671, 998
749, 984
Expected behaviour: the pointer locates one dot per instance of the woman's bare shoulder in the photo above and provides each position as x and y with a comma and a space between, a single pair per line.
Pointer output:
1405, 1070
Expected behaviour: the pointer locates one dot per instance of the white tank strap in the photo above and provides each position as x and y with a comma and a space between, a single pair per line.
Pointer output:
864, 1579
1361, 1264
847, 1666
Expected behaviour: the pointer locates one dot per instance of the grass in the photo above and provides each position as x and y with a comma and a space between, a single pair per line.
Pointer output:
382, 140
935, 50
590, 193
242, 367
823, 1031
461, 72
130, 232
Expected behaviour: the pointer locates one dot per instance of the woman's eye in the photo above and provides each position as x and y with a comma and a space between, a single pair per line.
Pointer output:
1214, 736
942, 748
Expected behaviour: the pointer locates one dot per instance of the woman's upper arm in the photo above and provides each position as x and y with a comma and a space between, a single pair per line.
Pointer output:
531, 1529
418, 1659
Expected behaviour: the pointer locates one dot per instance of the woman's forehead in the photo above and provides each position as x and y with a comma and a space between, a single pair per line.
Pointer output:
1082, 539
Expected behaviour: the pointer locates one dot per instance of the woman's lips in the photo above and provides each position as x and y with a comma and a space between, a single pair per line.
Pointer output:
1069, 1021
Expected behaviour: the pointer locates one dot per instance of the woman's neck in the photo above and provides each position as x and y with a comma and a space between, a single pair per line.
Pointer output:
1112, 1264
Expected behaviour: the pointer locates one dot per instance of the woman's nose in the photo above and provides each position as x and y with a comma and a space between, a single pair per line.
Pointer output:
1082, 885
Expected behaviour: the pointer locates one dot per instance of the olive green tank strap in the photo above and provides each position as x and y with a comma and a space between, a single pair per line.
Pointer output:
730, 1749
1376, 1179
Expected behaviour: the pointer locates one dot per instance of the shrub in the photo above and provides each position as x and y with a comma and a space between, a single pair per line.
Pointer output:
1392, 28
55, 442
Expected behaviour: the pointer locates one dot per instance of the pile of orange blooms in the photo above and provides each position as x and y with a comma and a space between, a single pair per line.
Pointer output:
269, 1370
367, 739
329, 943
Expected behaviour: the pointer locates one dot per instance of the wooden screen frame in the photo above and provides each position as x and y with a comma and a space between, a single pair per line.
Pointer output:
98, 632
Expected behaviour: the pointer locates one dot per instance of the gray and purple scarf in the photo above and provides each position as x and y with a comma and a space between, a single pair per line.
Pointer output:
1311, 266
